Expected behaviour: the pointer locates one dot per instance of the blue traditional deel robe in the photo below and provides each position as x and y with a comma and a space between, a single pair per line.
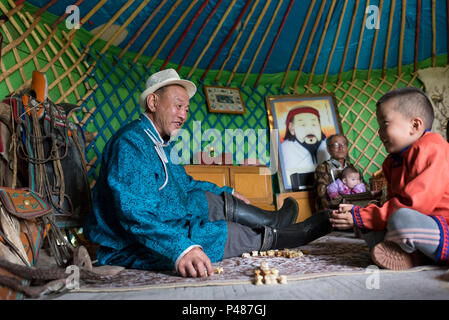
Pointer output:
147, 214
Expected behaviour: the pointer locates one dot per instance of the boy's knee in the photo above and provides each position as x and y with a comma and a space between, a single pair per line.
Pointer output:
401, 218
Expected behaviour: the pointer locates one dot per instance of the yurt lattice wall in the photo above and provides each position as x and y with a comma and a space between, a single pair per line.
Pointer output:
85, 70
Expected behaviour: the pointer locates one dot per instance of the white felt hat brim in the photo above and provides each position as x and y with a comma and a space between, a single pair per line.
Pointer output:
188, 85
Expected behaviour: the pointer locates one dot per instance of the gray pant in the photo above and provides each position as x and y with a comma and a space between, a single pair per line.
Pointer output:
411, 230
240, 238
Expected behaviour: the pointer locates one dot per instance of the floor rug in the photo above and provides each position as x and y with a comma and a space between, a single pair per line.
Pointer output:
335, 254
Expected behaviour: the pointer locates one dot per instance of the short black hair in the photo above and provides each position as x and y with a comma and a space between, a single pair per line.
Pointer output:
329, 140
411, 102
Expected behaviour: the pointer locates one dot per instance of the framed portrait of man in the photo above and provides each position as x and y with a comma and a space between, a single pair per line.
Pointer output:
302, 124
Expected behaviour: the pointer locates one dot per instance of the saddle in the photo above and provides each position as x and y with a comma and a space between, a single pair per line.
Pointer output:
44, 189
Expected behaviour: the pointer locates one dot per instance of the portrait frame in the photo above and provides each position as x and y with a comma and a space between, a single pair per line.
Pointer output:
300, 177
224, 100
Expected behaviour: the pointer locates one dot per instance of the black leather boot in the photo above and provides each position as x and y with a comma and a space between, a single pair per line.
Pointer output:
298, 234
253, 217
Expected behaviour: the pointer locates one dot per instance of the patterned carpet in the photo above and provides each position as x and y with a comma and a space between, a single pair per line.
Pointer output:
335, 254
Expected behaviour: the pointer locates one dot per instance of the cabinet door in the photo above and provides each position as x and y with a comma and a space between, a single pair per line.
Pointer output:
252, 183
215, 174
305, 199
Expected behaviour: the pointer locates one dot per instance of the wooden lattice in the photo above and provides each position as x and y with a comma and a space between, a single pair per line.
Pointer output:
356, 102
107, 86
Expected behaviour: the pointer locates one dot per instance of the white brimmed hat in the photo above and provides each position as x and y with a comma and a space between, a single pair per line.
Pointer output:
164, 78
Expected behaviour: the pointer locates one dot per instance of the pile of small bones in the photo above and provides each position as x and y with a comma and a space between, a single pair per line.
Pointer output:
265, 275
286, 253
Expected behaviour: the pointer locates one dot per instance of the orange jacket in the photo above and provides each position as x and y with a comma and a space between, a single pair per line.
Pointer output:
417, 178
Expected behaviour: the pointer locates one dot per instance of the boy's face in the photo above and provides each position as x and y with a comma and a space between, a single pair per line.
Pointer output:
351, 180
395, 130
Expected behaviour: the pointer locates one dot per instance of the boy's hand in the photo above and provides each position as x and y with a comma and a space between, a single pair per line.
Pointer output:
342, 218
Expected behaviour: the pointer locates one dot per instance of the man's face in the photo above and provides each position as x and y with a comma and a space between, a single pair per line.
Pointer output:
338, 148
169, 109
306, 127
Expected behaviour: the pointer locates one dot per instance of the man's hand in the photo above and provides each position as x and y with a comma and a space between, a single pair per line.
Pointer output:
342, 218
241, 197
195, 263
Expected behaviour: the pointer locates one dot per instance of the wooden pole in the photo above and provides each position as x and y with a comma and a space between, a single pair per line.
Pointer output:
401, 37
173, 29
274, 41
387, 45
239, 35
323, 35
142, 27
359, 45
184, 34
276, 11
198, 34
309, 43
164, 20
298, 42
124, 25
348, 40
376, 33
434, 35
417, 31
211, 39
334, 45
234, 26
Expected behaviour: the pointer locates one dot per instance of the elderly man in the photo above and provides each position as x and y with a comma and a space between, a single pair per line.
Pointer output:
149, 214
331, 169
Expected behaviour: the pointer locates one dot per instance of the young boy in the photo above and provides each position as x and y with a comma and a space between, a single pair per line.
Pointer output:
350, 183
412, 225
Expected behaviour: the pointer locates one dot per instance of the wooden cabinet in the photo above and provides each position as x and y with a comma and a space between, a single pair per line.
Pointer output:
305, 199
254, 182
